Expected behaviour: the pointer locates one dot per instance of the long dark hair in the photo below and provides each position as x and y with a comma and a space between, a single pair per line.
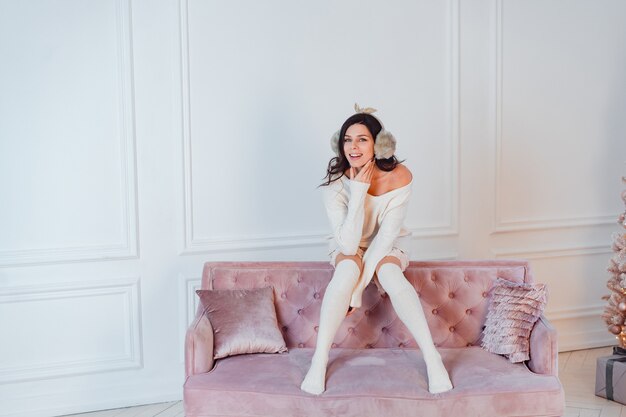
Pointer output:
339, 164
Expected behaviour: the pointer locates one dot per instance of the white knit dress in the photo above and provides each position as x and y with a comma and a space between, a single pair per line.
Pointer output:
369, 225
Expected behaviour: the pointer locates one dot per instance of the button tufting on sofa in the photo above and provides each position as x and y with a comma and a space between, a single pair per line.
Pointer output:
366, 375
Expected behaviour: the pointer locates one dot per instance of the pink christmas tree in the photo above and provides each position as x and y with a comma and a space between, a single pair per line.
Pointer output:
615, 311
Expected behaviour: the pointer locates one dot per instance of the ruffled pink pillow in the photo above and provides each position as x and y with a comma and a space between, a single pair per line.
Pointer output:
243, 321
513, 310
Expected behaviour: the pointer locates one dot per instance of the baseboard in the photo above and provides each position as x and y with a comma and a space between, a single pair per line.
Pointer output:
580, 328
586, 340
73, 402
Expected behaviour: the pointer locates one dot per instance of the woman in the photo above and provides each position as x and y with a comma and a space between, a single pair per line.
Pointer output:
366, 200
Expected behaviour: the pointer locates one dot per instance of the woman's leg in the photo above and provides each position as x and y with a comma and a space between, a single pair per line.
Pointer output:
409, 309
334, 306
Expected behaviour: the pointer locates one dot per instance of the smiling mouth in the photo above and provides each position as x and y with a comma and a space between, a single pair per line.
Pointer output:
355, 155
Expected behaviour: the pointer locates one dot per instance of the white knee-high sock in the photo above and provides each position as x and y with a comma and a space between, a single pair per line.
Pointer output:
409, 309
334, 307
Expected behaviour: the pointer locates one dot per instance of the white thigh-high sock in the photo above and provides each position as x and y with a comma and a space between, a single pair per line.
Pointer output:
409, 309
334, 306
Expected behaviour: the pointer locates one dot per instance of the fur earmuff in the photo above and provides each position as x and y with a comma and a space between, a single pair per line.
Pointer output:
334, 143
385, 145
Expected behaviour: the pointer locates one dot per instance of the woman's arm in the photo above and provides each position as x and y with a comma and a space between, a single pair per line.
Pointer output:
346, 213
382, 243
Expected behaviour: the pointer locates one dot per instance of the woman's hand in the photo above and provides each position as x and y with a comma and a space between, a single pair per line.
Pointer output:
365, 174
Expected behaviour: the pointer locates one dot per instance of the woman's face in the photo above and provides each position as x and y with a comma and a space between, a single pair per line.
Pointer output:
358, 141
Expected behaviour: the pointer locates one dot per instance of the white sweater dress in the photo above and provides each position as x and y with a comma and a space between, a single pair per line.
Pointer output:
361, 221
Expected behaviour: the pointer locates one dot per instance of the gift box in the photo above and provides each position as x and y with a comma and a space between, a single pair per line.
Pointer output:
611, 376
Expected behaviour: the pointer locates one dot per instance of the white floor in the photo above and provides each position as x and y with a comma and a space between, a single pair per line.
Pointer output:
171, 409
577, 371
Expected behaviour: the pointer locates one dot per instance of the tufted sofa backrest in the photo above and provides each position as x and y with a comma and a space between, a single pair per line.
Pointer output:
453, 294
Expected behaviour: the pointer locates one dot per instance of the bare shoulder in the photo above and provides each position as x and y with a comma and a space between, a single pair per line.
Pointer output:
402, 176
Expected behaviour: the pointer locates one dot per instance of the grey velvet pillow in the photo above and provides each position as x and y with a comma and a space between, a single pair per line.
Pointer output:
513, 310
243, 321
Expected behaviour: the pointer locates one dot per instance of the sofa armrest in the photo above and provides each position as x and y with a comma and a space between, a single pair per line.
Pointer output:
544, 353
199, 346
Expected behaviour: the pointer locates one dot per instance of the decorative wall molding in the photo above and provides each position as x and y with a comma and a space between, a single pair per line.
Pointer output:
441, 256
188, 302
128, 288
588, 327
575, 313
193, 244
545, 253
522, 225
501, 225
128, 248
454, 66
586, 339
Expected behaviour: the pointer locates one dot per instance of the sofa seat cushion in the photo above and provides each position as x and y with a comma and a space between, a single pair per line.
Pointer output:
372, 382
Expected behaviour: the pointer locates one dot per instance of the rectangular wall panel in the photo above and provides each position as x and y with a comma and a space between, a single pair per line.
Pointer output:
560, 112
67, 153
71, 328
231, 116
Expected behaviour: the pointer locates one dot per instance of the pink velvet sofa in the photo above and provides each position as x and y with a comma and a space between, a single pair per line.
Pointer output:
375, 368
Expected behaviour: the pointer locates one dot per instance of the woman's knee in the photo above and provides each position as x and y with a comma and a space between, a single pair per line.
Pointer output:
389, 259
356, 258
393, 280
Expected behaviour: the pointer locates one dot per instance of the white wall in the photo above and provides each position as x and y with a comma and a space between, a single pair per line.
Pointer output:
138, 140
